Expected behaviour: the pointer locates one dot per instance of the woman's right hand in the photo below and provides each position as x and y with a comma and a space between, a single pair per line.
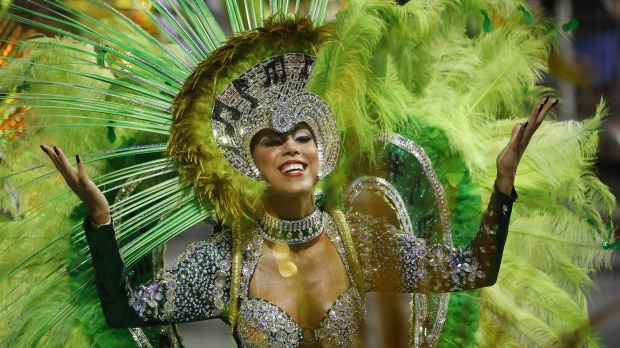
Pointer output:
80, 183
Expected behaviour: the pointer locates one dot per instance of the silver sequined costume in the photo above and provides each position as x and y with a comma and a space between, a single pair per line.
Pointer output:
197, 285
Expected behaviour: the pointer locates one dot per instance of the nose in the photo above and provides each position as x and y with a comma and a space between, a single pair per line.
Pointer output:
290, 147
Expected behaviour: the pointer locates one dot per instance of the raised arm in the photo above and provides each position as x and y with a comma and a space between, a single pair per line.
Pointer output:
81, 185
195, 287
394, 261
509, 158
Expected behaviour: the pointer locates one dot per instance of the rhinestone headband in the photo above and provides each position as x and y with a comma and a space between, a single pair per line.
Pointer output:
272, 95
291, 232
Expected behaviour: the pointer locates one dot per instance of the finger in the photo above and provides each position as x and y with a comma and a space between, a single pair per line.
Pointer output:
545, 111
536, 118
80, 165
541, 105
64, 161
538, 109
81, 171
532, 119
66, 169
83, 178
48, 151
52, 155
516, 139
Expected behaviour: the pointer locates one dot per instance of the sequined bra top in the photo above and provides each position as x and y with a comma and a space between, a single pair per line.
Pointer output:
197, 285
264, 324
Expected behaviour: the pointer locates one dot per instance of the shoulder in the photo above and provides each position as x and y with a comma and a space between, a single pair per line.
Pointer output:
215, 251
220, 242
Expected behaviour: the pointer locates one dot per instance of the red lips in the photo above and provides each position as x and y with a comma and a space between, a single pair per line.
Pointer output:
293, 168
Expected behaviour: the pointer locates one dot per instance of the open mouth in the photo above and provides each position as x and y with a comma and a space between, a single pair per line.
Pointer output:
292, 167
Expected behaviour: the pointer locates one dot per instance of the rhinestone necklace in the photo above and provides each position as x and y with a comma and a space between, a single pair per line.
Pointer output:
291, 232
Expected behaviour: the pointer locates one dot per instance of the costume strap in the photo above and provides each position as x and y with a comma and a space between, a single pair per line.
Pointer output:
235, 279
349, 248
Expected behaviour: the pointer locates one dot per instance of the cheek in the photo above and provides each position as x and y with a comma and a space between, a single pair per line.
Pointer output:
313, 155
261, 158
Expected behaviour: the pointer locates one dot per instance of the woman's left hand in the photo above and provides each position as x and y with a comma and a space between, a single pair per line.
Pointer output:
508, 159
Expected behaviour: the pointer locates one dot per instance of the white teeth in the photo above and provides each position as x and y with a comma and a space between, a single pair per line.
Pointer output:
293, 167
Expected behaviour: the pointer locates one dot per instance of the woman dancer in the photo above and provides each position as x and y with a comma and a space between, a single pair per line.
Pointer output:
298, 278
380, 68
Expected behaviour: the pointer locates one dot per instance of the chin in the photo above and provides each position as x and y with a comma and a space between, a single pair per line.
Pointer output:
294, 189
298, 192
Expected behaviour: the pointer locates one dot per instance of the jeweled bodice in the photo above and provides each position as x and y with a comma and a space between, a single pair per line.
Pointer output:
264, 324
198, 285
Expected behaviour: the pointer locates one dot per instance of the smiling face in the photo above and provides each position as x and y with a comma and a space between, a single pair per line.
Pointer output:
289, 162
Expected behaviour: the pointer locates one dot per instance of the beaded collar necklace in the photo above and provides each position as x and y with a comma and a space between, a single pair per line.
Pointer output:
291, 232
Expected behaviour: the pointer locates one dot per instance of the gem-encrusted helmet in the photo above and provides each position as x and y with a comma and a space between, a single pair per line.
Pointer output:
272, 94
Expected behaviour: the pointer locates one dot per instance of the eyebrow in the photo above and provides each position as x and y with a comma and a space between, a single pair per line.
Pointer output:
295, 129
301, 125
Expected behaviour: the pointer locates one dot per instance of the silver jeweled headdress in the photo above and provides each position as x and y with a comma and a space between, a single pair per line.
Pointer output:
272, 94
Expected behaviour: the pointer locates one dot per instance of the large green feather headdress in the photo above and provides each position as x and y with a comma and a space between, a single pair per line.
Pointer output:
451, 75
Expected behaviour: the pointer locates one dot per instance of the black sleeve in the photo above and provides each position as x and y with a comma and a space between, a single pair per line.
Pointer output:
195, 287
392, 260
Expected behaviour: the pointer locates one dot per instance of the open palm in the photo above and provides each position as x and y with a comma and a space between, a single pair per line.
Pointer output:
509, 158
81, 185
